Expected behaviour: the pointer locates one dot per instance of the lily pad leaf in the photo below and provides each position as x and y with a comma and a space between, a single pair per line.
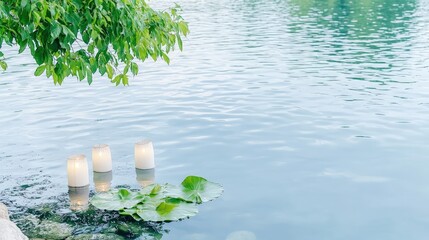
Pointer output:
124, 193
116, 200
196, 189
152, 190
161, 210
165, 208
130, 212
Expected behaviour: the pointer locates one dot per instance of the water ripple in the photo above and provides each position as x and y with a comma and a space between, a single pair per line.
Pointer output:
280, 101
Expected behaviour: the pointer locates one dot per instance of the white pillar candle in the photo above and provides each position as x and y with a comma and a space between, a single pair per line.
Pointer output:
102, 181
77, 171
79, 198
145, 177
144, 155
101, 158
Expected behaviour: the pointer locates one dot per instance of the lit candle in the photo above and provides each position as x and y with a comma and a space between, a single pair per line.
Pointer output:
144, 155
145, 177
77, 169
101, 158
102, 181
79, 198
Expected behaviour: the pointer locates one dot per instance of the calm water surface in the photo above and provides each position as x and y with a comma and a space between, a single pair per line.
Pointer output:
312, 114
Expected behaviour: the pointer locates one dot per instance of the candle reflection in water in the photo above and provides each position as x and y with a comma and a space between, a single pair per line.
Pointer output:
145, 177
79, 198
102, 181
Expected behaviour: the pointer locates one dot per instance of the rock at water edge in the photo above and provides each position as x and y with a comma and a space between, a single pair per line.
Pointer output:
9, 231
4, 214
53, 230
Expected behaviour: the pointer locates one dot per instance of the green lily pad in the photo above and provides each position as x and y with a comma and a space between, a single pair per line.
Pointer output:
195, 189
116, 200
130, 212
159, 203
155, 209
153, 189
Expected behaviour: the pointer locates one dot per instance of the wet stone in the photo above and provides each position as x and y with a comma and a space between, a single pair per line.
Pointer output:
28, 224
28, 221
130, 229
53, 230
107, 236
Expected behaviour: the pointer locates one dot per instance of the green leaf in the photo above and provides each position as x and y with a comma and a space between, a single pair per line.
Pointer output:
116, 200
127, 67
130, 212
68, 32
154, 189
36, 18
124, 193
183, 28
24, 3
22, 46
179, 42
55, 77
93, 64
86, 37
3, 65
40, 70
134, 68
89, 76
166, 58
196, 189
110, 71
48, 71
55, 31
125, 80
91, 48
117, 79
40, 55
165, 208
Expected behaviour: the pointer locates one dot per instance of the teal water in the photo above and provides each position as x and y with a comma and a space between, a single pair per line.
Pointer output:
312, 114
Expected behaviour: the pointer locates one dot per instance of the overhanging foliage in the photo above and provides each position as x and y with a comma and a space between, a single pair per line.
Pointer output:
81, 37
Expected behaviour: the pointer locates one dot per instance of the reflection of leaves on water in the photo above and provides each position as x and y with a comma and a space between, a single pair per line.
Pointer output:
92, 221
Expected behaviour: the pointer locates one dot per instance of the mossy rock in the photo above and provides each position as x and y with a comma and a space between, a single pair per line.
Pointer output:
130, 229
108, 236
28, 225
53, 230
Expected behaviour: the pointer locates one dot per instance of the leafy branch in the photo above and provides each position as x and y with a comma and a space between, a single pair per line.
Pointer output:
82, 37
